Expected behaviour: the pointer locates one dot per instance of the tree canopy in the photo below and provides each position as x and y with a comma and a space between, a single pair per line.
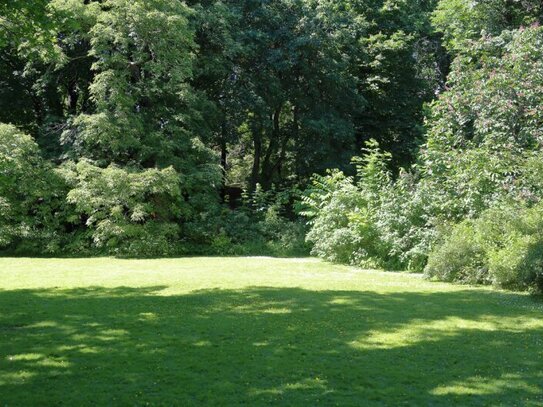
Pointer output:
160, 127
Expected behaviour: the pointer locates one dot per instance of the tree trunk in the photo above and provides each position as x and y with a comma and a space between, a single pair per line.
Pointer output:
72, 97
224, 157
257, 144
267, 166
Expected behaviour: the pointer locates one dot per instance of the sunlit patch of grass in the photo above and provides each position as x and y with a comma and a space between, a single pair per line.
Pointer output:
259, 331
482, 386
434, 331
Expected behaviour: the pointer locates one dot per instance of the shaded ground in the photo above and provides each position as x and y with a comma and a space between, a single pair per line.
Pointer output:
359, 338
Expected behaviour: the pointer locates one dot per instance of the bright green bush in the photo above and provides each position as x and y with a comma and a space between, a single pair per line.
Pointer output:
405, 223
460, 257
503, 247
20, 167
127, 212
32, 196
332, 205
369, 220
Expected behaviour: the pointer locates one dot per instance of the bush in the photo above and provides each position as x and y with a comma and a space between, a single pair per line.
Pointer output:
405, 223
127, 212
32, 197
503, 247
483, 148
459, 258
262, 226
369, 220
284, 237
334, 206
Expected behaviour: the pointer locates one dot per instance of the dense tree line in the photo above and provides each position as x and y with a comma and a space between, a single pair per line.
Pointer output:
128, 124
142, 113
469, 209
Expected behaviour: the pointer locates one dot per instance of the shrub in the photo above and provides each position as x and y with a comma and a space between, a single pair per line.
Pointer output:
460, 257
369, 220
334, 205
503, 247
127, 212
32, 196
483, 148
262, 226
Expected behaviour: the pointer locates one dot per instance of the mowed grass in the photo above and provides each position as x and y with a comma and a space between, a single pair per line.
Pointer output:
258, 331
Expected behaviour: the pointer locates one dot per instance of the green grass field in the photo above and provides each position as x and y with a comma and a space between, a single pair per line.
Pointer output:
258, 331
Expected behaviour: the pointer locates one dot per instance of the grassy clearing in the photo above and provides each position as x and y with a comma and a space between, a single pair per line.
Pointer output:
257, 331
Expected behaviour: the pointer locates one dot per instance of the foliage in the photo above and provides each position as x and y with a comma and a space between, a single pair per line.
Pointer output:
299, 85
459, 258
503, 247
127, 212
262, 226
485, 133
463, 22
483, 148
405, 223
332, 201
256, 93
369, 220
32, 196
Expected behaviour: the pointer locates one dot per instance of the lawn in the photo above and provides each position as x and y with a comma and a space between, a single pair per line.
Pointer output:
259, 331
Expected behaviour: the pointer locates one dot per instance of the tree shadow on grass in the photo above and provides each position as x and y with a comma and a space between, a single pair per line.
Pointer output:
268, 346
